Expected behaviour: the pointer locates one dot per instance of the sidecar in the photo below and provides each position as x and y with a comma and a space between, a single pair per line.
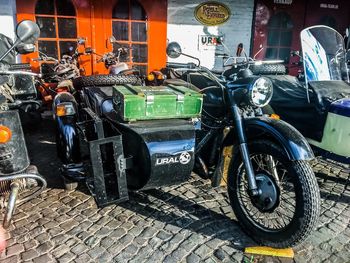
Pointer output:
126, 137
319, 107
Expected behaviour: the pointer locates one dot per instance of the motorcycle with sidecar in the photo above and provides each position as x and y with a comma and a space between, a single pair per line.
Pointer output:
318, 106
16, 94
123, 137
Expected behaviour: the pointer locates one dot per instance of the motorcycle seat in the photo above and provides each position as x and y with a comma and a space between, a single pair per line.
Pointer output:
329, 91
291, 102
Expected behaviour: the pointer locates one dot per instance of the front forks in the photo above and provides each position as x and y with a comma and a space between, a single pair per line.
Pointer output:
243, 148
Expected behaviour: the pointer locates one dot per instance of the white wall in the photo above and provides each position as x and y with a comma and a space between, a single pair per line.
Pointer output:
8, 17
185, 29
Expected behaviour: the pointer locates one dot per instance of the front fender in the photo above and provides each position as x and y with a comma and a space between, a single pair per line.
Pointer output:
64, 97
67, 140
293, 142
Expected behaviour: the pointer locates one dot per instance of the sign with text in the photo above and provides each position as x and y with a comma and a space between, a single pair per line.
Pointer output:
329, 6
212, 13
283, 2
206, 42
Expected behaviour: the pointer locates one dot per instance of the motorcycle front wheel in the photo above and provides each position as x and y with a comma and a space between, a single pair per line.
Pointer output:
288, 206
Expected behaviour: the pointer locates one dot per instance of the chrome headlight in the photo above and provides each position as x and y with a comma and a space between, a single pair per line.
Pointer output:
260, 92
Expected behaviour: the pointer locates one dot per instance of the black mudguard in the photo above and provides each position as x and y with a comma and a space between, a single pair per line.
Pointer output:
67, 139
293, 142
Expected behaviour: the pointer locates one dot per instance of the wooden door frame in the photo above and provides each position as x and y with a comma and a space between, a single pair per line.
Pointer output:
93, 15
156, 11
26, 10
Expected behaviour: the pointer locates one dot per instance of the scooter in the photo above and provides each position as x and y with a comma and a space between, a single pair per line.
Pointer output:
16, 173
121, 138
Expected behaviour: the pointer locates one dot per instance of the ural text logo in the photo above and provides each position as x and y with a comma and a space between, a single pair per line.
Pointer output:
183, 158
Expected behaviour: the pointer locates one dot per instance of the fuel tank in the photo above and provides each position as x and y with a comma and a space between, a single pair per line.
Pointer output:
213, 96
162, 152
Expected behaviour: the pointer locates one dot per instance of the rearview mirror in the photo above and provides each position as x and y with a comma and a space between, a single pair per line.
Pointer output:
239, 49
89, 50
81, 40
112, 39
25, 48
27, 32
173, 50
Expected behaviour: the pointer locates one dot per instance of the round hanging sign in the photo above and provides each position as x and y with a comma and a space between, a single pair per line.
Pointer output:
212, 13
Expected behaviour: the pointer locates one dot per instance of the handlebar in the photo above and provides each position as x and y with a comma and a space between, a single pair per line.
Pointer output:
194, 68
20, 66
177, 65
250, 61
18, 72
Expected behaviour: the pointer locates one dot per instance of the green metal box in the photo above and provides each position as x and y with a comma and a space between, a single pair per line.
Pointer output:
156, 102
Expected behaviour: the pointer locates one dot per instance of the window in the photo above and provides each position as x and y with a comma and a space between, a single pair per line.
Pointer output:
129, 26
58, 27
279, 37
328, 21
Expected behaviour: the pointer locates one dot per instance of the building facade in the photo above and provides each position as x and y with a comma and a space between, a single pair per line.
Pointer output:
146, 26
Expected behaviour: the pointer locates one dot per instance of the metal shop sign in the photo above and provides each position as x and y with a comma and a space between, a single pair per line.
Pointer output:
329, 6
283, 2
209, 41
212, 13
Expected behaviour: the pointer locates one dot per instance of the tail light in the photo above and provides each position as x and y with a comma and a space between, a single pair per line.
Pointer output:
62, 89
156, 75
161, 76
275, 116
65, 109
150, 77
5, 134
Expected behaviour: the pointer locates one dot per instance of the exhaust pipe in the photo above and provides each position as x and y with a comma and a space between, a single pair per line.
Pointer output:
14, 184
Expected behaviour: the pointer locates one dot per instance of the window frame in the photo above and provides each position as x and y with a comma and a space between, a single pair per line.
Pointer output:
130, 42
56, 17
280, 30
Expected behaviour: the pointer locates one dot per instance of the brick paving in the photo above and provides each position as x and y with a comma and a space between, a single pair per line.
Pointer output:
191, 222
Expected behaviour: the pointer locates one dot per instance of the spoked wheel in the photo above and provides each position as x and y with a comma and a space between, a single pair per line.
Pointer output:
287, 209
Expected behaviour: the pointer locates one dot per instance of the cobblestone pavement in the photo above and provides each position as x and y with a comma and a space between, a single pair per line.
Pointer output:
191, 222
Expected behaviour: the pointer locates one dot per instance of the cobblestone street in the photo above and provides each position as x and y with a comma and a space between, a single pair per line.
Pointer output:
191, 222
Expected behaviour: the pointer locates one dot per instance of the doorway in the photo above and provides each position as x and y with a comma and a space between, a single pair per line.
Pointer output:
138, 24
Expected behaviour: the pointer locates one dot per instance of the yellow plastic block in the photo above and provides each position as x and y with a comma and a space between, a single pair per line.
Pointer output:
269, 251
227, 159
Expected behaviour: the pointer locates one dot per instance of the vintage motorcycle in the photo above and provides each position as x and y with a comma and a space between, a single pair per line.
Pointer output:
57, 75
16, 173
121, 138
318, 107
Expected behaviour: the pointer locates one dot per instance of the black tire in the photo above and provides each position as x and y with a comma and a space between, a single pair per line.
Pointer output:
305, 214
268, 69
105, 80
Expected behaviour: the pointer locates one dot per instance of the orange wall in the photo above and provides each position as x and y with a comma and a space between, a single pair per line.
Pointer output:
94, 23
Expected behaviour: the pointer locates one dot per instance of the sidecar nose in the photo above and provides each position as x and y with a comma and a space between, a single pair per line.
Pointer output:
341, 107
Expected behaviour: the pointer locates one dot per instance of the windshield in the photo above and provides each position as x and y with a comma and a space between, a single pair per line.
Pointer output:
323, 54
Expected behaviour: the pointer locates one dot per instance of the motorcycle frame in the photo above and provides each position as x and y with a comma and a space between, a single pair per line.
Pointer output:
242, 130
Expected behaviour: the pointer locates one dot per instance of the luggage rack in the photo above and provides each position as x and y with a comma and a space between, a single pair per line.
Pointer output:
106, 179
